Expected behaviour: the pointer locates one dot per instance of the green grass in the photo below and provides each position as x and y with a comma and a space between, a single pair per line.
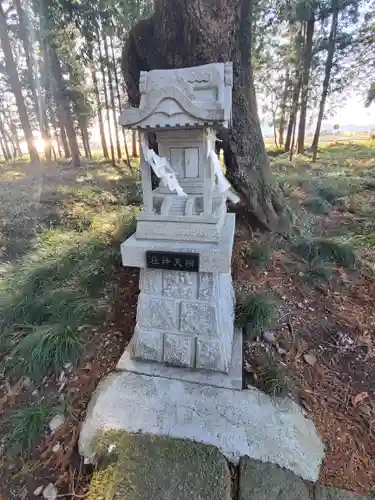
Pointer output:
25, 427
257, 313
332, 191
318, 271
65, 284
271, 379
317, 249
61, 285
367, 239
317, 205
66, 289
47, 347
259, 254
370, 185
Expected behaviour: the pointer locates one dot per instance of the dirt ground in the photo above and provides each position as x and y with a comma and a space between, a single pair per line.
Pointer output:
331, 321
336, 328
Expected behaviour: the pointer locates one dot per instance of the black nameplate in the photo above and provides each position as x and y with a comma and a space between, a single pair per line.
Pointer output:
173, 261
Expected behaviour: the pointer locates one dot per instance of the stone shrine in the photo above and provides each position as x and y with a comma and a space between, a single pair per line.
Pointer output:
181, 375
184, 237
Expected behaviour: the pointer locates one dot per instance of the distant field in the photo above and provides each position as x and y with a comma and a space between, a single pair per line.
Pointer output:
324, 139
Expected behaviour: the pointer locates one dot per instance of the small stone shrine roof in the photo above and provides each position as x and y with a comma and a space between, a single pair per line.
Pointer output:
189, 97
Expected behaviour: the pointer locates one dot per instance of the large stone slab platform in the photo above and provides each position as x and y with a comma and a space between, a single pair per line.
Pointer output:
246, 423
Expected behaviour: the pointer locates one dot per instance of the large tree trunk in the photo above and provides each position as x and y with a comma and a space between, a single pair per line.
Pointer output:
327, 76
185, 33
102, 69
16, 86
64, 107
307, 58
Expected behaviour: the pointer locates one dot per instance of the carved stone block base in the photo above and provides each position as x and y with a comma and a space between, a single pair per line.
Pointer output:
185, 319
231, 380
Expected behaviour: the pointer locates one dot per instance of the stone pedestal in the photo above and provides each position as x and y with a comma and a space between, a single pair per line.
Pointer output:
185, 319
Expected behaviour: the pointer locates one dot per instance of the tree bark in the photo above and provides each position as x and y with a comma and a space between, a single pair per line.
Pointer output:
85, 137
84, 143
24, 35
99, 108
102, 69
291, 150
119, 104
44, 66
29, 56
327, 76
4, 142
16, 86
307, 58
293, 111
296, 87
63, 135
7, 137
46, 135
112, 97
274, 128
14, 133
3, 150
56, 138
184, 33
64, 108
134, 144
283, 106
15, 154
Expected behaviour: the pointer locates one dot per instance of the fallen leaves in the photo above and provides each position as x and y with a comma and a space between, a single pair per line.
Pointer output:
310, 359
359, 399
10, 394
330, 355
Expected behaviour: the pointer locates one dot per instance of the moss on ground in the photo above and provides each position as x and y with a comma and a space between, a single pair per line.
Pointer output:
138, 467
